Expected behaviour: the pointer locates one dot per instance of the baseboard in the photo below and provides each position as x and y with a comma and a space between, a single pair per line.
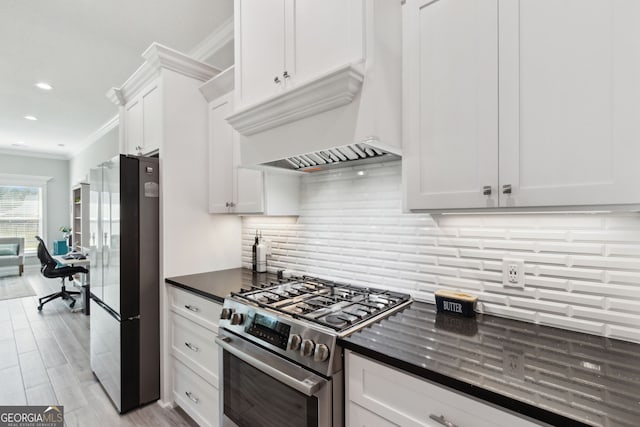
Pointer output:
166, 405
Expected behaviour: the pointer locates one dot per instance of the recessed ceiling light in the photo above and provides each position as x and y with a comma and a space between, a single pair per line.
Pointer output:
43, 86
19, 143
31, 118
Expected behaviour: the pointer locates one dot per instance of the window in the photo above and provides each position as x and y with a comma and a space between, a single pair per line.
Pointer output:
21, 213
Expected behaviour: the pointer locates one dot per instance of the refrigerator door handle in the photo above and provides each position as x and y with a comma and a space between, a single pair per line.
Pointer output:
108, 309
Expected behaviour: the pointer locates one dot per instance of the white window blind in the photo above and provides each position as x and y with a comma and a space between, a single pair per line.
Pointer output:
21, 213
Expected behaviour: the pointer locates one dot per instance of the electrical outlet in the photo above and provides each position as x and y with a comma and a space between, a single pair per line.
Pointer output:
513, 272
513, 363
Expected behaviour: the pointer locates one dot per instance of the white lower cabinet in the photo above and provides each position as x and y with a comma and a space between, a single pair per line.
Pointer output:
378, 395
194, 326
195, 396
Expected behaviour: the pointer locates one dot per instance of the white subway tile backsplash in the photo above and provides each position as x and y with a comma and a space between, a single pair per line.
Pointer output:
582, 271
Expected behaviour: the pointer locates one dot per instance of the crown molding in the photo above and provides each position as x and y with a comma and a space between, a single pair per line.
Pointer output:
214, 41
158, 57
39, 154
332, 90
96, 135
219, 85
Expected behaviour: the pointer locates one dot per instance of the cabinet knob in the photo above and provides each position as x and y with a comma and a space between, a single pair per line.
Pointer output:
229, 204
276, 80
486, 190
506, 189
286, 74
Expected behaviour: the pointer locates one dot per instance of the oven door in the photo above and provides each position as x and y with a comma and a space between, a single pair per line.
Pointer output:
260, 388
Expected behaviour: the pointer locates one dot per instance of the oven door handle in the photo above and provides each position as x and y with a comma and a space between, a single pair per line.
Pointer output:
276, 367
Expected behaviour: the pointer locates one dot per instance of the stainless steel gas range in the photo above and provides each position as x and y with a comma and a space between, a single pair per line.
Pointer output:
280, 364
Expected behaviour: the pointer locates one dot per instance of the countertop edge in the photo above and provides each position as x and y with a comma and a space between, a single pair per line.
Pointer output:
497, 399
213, 297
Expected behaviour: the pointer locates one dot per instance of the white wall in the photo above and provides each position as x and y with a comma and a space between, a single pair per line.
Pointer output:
58, 189
582, 270
99, 151
193, 240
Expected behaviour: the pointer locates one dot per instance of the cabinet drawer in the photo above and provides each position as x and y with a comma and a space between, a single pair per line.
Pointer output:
195, 346
409, 401
197, 397
196, 308
357, 416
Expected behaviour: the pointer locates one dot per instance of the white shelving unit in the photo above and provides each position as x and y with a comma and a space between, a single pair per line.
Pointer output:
80, 216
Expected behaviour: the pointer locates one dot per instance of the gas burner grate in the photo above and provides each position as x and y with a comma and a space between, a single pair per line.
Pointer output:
334, 305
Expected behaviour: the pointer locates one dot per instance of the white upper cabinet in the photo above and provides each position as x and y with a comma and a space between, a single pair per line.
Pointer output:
569, 91
260, 47
451, 99
283, 43
142, 121
534, 100
232, 188
159, 100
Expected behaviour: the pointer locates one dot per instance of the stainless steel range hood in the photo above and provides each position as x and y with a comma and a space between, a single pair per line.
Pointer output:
342, 156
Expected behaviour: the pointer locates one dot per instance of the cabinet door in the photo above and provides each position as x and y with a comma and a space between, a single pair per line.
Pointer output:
151, 119
221, 155
569, 112
357, 416
249, 190
450, 66
133, 126
340, 22
259, 49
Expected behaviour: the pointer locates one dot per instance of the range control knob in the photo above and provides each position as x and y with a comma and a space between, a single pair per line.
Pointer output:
237, 318
321, 354
294, 342
306, 348
226, 313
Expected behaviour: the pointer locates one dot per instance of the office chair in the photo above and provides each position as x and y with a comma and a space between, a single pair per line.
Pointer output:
49, 269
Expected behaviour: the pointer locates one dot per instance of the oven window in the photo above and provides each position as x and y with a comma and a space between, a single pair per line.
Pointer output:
253, 398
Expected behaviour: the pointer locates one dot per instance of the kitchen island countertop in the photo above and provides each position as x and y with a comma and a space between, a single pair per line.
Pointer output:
557, 376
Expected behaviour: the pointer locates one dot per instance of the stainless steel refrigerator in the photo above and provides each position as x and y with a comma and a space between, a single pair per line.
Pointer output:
124, 279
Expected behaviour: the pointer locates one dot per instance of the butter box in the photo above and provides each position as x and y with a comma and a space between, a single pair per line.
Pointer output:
456, 303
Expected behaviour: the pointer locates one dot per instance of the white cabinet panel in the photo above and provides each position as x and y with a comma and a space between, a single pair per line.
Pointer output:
402, 399
357, 416
132, 126
570, 119
339, 24
451, 95
197, 397
249, 191
152, 119
221, 155
260, 51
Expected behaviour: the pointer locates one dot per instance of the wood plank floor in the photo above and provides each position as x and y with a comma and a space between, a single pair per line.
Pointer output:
44, 360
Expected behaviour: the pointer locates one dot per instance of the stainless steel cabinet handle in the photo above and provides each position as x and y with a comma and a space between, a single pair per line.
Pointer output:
192, 347
442, 420
277, 80
286, 74
192, 308
486, 190
192, 397
506, 189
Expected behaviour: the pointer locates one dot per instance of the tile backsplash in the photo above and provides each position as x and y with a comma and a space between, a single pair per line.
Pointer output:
582, 270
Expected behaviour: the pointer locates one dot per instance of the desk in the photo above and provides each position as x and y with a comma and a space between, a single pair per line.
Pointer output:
84, 283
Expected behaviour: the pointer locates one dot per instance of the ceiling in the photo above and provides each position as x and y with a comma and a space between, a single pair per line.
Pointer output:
83, 48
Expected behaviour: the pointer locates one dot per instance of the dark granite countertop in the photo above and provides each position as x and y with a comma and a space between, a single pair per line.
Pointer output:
216, 285
559, 377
